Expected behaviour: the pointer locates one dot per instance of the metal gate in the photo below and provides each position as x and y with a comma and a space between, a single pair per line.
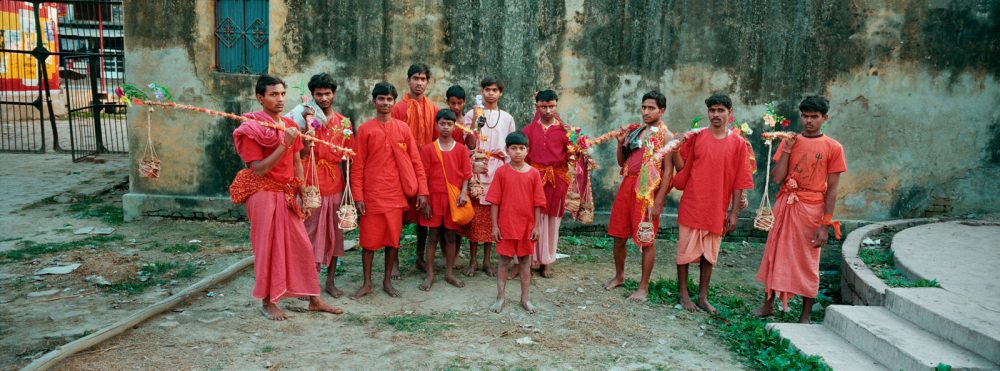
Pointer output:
83, 40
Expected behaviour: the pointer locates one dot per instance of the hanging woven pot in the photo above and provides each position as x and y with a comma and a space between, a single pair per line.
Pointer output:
149, 165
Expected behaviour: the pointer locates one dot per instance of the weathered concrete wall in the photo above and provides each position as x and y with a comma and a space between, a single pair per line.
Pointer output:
913, 84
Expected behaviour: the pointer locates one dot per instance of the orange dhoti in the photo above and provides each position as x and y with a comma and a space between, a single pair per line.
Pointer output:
283, 260
791, 264
693, 244
480, 229
628, 211
380, 230
322, 225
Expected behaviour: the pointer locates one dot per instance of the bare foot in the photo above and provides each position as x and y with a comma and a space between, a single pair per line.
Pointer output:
497, 306
705, 306
471, 270
763, 311
547, 271
387, 287
639, 296
334, 291
272, 312
395, 273
454, 281
528, 307
490, 271
364, 290
688, 305
318, 305
614, 282
426, 285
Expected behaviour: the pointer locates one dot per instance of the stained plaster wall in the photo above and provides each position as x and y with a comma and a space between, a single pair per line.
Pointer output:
913, 84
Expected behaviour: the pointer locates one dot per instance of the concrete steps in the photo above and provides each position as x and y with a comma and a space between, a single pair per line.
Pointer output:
820, 341
950, 316
898, 343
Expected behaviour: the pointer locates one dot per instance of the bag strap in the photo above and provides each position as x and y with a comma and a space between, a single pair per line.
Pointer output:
348, 198
312, 165
437, 148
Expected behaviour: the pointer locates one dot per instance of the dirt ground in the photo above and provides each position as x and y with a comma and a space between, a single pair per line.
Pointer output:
579, 325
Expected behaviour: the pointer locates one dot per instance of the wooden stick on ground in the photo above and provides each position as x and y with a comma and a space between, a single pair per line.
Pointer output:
52, 358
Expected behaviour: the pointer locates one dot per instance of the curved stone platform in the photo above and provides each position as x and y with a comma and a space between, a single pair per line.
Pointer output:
957, 324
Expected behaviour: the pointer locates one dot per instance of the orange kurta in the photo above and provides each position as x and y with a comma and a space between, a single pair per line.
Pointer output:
790, 265
375, 179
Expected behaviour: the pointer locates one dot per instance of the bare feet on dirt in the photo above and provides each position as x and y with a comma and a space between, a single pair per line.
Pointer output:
688, 305
427, 284
705, 306
547, 271
497, 306
763, 311
334, 291
395, 273
528, 307
272, 312
471, 270
318, 305
490, 271
364, 290
639, 296
387, 287
454, 281
614, 282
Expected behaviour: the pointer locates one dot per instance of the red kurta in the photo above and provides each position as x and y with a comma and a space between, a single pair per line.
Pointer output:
718, 166
265, 142
547, 152
375, 177
284, 265
418, 114
331, 180
517, 194
456, 161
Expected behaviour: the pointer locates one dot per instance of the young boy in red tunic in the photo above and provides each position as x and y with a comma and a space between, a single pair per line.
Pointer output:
436, 216
418, 112
385, 172
549, 154
516, 199
283, 261
456, 103
636, 202
809, 167
320, 120
713, 172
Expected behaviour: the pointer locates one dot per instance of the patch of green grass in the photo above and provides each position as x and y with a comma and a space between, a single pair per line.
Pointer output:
51, 200
154, 274
355, 319
95, 207
757, 347
267, 349
182, 248
880, 260
604, 243
30, 249
417, 323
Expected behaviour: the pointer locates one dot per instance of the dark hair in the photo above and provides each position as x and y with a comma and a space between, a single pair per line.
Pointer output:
661, 101
418, 68
546, 96
516, 138
815, 103
719, 98
384, 88
455, 91
491, 80
267, 80
322, 81
445, 114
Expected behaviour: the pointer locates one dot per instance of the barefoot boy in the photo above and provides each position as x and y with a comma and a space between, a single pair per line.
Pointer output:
385, 172
493, 126
444, 161
283, 261
516, 199
319, 117
712, 166
633, 205
809, 167
549, 154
